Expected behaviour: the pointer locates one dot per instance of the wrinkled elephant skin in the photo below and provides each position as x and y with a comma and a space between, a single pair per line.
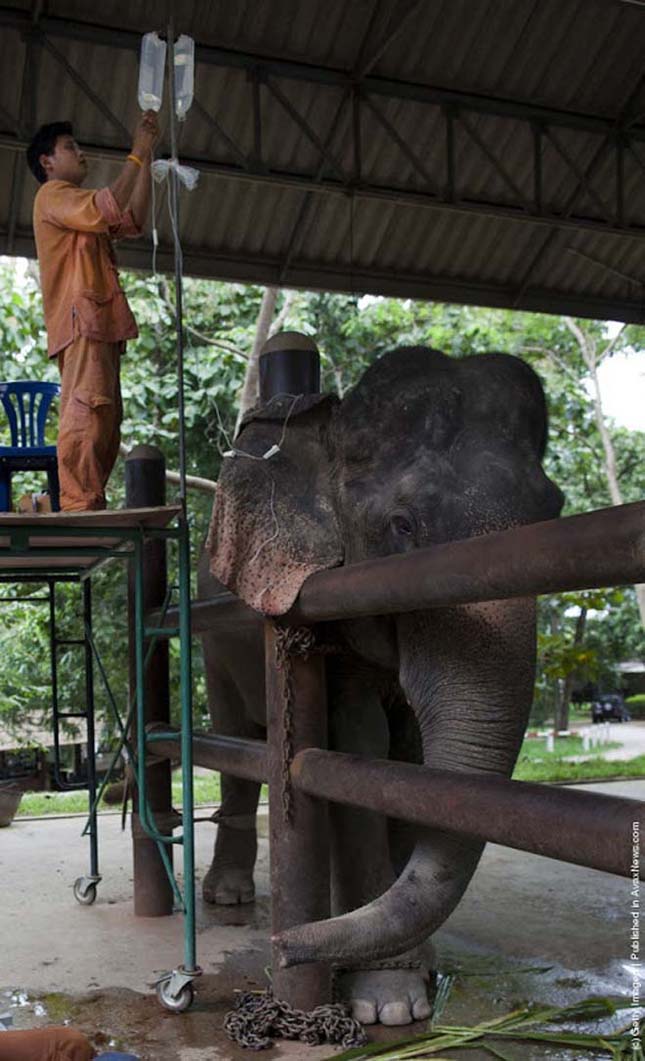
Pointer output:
425, 449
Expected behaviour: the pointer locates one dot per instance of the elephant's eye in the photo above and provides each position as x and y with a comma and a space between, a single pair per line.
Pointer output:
402, 525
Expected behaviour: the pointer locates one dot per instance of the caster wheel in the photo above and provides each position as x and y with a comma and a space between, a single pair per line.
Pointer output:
177, 1003
85, 896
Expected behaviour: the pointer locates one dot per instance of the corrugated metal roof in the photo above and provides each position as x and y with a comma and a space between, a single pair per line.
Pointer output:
537, 202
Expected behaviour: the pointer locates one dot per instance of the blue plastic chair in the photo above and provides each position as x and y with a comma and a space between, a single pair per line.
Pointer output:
116, 1057
26, 405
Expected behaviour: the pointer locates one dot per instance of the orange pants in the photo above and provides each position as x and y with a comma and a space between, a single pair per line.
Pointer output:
90, 421
45, 1044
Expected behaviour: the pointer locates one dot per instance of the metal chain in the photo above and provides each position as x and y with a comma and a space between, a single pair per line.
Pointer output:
293, 641
259, 1018
289, 641
385, 964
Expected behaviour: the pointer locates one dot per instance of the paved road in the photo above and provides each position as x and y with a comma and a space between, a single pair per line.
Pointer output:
631, 736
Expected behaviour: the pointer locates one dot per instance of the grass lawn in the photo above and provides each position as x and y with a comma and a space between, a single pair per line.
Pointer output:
595, 769
536, 764
536, 748
36, 804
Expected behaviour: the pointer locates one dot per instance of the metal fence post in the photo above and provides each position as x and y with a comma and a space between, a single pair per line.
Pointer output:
296, 719
145, 486
299, 839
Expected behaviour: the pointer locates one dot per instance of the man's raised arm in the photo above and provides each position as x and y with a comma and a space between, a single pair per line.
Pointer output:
131, 189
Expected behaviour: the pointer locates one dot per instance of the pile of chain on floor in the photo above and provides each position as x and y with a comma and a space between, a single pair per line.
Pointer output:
258, 1019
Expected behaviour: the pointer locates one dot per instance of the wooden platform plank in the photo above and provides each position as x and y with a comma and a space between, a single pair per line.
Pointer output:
39, 563
118, 517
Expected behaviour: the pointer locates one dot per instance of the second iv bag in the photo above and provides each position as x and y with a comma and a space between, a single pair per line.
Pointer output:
151, 72
184, 55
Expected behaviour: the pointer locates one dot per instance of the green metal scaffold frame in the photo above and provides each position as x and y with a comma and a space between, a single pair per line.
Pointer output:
73, 547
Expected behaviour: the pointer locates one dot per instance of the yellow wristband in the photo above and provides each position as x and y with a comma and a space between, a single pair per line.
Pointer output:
133, 158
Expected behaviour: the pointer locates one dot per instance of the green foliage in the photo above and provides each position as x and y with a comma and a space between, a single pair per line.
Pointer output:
612, 624
636, 705
540, 1025
25, 677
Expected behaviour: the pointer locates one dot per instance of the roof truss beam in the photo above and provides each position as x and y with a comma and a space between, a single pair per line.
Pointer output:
319, 182
613, 140
273, 84
539, 203
110, 36
84, 86
306, 128
25, 123
266, 270
367, 61
403, 146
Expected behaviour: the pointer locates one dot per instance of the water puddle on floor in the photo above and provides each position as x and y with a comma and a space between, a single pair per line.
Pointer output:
482, 987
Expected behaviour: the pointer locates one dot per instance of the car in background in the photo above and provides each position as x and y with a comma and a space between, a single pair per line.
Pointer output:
609, 707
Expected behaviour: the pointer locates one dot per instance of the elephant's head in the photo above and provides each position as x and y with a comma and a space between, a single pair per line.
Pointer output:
425, 449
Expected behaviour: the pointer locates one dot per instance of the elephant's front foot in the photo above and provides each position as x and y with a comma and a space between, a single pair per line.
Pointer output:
390, 996
386, 996
229, 880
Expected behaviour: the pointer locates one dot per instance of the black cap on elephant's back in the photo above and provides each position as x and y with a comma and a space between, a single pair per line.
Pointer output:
289, 364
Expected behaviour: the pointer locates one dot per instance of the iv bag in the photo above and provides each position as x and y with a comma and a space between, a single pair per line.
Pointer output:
184, 74
151, 72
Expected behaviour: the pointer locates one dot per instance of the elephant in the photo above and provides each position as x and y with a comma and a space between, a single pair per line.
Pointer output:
425, 449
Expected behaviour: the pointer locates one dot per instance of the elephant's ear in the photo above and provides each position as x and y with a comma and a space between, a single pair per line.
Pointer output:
274, 521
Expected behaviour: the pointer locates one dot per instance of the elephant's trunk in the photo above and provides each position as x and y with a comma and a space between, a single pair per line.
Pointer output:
468, 674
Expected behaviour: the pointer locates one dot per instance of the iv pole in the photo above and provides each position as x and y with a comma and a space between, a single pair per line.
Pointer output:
179, 985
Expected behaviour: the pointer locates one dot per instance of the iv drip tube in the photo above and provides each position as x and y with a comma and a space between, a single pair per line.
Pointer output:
173, 192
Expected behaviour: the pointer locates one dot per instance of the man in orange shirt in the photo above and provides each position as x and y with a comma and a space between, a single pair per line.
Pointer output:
86, 312
45, 1044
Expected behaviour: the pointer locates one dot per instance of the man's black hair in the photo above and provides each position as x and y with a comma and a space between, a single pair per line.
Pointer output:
44, 143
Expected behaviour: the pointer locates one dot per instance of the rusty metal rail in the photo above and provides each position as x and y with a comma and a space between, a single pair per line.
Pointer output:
221, 612
602, 548
233, 755
593, 830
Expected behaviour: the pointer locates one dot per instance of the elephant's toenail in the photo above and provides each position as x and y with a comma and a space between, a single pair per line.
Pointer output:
394, 1013
421, 1009
364, 1011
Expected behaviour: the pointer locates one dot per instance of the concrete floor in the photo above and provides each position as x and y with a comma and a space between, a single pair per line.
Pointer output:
528, 928
631, 736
